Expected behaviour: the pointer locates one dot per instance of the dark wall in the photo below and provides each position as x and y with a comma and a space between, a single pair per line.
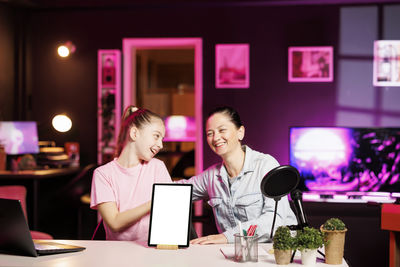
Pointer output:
268, 107
7, 64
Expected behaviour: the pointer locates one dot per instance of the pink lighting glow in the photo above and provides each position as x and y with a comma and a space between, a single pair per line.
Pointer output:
323, 152
180, 128
325, 145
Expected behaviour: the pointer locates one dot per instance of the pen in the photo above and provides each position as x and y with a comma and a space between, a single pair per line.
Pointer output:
242, 242
252, 229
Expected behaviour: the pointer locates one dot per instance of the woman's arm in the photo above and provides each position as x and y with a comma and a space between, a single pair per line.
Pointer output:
199, 183
118, 221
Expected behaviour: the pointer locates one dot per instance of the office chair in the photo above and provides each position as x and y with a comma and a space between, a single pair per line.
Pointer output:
184, 168
18, 192
99, 233
72, 194
79, 185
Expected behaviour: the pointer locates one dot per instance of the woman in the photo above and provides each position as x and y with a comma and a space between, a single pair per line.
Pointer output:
233, 186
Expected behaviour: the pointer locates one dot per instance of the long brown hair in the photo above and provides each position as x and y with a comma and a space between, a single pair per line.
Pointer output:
132, 116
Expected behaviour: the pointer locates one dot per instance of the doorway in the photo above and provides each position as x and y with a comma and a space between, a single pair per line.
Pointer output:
150, 80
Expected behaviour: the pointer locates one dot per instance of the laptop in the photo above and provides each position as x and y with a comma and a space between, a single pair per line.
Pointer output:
15, 237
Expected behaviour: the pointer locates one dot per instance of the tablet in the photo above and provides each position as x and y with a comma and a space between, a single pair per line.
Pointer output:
170, 216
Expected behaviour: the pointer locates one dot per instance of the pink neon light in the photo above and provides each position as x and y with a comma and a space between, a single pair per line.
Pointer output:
180, 128
310, 64
130, 45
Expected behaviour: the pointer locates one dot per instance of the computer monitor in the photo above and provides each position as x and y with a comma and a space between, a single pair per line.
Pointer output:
19, 137
344, 159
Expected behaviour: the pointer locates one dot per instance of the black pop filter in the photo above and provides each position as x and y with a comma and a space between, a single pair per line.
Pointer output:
277, 183
280, 181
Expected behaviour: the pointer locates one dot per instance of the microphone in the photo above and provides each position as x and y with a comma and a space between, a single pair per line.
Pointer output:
297, 196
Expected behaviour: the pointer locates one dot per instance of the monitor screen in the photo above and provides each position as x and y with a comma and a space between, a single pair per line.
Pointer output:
19, 137
346, 159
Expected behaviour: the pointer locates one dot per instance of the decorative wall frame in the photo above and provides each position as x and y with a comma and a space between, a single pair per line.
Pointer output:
310, 64
386, 63
232, 66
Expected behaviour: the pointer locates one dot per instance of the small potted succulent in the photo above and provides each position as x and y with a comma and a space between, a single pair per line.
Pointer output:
334, 231
283, 245
308, 241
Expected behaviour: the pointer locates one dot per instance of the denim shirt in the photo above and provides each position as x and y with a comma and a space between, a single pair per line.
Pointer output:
243, 201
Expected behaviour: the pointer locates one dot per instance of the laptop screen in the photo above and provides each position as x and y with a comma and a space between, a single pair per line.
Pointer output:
19, 137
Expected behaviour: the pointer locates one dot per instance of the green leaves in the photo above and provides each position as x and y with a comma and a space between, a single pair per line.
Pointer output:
283, 240
333, 224
308, 238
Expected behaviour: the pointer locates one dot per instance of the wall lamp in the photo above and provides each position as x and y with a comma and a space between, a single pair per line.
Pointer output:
62, 123
64, 50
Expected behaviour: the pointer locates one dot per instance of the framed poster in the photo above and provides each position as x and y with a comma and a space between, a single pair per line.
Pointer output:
310, 64
386, 63
232, 66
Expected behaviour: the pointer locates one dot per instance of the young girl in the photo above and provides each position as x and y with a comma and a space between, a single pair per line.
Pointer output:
122, 188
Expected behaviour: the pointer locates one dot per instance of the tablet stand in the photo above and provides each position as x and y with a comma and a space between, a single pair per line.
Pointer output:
169, 247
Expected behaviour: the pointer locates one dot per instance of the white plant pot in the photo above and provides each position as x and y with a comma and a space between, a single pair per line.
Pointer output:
309, 256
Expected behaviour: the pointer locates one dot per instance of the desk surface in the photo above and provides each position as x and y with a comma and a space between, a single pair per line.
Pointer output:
124, 253
38, 174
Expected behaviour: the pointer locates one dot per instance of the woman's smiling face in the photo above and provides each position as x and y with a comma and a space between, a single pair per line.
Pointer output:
222, 134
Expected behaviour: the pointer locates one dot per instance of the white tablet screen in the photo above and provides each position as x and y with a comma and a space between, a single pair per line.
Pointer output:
170, 215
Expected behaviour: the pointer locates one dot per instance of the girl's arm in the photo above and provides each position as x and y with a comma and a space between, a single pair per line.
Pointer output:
118, 221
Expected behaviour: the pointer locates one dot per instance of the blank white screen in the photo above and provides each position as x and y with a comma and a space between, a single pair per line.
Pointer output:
170, 214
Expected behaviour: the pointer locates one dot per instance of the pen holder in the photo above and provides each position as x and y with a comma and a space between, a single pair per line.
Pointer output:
246, 248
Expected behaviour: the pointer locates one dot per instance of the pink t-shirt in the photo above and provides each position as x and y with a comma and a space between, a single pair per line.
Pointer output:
128, 188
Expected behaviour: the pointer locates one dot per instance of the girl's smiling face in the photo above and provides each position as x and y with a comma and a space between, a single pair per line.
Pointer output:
148, 139
223, 136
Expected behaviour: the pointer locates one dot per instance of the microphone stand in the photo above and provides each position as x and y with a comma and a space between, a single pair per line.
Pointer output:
273, 221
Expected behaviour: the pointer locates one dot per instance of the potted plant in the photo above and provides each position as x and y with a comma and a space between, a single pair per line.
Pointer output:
308, 241
334, 231
283, 245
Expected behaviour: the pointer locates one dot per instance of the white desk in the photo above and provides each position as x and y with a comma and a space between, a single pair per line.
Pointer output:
123, 253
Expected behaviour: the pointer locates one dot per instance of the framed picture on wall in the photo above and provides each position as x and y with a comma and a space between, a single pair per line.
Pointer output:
310, 64
386, 63
232, 66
